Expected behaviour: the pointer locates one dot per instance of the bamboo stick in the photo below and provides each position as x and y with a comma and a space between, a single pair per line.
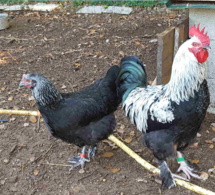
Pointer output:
20, 112
153, 169
130, 152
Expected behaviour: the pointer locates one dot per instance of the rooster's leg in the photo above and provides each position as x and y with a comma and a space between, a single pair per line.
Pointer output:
92, 151
79, 160
166, 175
186, 167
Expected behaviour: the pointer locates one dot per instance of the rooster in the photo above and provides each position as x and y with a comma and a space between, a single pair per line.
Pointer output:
170, 115
82, 118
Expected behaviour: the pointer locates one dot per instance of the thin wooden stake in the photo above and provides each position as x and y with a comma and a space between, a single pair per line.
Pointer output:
20, 112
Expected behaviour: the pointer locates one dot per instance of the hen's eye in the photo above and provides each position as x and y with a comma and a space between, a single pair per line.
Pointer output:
195, 44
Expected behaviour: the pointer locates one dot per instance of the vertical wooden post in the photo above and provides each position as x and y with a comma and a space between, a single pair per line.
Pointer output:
165, 55
168, 43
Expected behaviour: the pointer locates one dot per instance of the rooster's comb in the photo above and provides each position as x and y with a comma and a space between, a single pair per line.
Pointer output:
202, 36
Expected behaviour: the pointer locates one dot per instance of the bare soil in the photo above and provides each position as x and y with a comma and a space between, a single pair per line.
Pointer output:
73, 51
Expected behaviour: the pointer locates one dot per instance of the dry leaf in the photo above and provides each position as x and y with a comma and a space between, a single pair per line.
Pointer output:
26, 124
115, 170
213, 124
208, 141
32, 158
31, 98
101, 36
3, 88
107, 167
92, 31
132, 133
121, 53
15, 107
63, 87
121, 129
81, 171
211, 146
107, 154
213, 128
10, 98
36, 172
137, 43
195, 161
204, 176
128, 140
33, 119
77, 64
195, 145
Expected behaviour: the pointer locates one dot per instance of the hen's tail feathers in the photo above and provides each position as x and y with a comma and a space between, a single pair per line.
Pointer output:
132, 74
112, 74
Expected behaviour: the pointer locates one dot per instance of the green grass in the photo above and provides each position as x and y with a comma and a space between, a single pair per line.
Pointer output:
145, 3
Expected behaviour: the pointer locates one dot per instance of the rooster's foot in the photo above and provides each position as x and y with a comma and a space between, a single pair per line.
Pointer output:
92, 152
166, 176
187, 168
184, 167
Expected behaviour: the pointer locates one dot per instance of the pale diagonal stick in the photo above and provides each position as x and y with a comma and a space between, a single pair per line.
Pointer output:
20, 112
130, 152
153, 169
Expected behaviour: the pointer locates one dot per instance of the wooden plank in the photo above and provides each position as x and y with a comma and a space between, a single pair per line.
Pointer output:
181, 34
168, 43
167, 69
165, 49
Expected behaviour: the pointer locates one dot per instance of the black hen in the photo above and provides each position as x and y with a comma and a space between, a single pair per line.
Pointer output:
83, 118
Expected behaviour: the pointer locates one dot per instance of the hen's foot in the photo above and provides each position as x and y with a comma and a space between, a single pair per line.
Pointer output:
79, 160
92, 152
186, 167
166, 176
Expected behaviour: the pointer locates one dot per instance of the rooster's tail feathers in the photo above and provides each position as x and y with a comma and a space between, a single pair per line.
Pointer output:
132, 74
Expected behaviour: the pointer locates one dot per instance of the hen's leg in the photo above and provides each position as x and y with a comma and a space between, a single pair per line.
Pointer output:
92, 151
166, 175
186, 167
79, 160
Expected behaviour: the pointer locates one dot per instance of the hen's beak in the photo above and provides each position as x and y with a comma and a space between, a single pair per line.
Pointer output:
21, 84
207, 47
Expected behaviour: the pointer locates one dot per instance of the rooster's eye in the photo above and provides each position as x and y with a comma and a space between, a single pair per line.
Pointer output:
195, 44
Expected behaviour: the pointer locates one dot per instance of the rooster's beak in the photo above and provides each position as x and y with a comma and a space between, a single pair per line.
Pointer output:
207, 47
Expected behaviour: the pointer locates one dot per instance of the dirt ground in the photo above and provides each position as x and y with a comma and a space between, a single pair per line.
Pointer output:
73, 51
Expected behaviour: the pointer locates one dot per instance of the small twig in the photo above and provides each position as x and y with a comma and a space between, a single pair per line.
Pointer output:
44, 154
84, 177
38, 124
13, 38
61, 165
20, 112
13, 58
13, 90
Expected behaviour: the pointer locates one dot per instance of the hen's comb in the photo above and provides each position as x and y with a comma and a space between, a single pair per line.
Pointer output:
202, 36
